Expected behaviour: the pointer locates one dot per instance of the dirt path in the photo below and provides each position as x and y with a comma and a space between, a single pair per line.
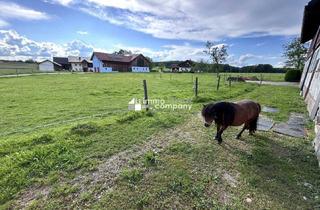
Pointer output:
293, 84
109, 171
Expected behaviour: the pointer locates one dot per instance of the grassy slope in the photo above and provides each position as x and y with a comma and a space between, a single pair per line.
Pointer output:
46, 156
34, 101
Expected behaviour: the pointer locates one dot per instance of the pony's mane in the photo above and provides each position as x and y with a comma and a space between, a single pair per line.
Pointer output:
224, 112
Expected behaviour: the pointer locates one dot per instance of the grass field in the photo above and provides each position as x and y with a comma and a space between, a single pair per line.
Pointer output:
58, 132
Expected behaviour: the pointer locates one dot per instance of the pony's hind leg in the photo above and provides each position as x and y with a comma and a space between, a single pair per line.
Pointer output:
243, 129
253, 126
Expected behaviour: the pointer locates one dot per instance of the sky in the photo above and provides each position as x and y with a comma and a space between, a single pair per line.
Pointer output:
254, 31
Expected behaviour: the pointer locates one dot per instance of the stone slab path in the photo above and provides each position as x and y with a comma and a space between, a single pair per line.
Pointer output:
264, 123
269, 109
293, 127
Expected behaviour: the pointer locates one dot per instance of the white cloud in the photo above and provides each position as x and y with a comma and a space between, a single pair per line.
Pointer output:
62, 2
3, 23
13, 10
168, 52
199, 19
14, 46
83, 32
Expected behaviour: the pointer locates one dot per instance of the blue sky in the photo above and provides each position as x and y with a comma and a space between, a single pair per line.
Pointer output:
254, 31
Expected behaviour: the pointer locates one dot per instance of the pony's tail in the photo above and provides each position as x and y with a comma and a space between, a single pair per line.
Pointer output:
259, 107
253, 125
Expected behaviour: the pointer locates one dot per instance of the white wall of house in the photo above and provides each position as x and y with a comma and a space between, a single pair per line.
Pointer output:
139, 69
184, 69
76, 67
98, 66
46, 66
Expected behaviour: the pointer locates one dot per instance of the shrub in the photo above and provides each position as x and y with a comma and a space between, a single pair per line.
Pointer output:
292, 75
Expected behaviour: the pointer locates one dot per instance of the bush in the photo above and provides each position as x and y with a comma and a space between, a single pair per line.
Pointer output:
292, 75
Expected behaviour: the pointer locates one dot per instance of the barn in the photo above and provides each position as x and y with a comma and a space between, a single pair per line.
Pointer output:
310, 80
104, 62
49, 66
63, 61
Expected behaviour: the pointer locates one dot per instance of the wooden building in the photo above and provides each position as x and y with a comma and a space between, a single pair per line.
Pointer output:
104, 62
63, 61
310, 80
185, 66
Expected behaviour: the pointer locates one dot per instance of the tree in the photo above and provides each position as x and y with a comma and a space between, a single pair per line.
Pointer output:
123, 52
151, 62
30, 61
295, 52
217, 53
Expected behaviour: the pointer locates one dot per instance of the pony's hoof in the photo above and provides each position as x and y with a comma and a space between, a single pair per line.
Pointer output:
219, 141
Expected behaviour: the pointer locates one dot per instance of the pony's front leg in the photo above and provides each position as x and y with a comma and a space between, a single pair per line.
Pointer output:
217, 134
219, 139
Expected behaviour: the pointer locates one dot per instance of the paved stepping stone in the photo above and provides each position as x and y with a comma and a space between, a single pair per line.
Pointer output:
270, 109
294, 126
264, 123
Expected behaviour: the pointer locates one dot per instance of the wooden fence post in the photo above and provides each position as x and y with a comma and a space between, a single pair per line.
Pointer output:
230, 81
17, 72
196, 87
145, 94
218, 85
260, 79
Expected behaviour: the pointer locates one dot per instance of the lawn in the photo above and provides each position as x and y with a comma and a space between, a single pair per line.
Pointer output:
56, 128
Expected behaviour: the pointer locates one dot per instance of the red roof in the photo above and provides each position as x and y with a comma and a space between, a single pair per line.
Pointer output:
115, 58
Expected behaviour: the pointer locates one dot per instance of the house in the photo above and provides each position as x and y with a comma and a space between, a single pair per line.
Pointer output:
63, 61
80, 63
87, 65
104, 62
49, 66
185, 66
310, 80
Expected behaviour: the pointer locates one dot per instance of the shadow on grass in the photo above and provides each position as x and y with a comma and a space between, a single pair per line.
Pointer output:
286, 172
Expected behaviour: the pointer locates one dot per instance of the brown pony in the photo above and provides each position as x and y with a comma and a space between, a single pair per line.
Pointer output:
226, 114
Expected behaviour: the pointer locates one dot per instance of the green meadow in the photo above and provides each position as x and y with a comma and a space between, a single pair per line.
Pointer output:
58, 131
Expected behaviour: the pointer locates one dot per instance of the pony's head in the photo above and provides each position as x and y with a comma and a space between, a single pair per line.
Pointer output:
221, 113
209, 115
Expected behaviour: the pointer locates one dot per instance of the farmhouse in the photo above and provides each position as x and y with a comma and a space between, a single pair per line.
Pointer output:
310, 80
49, 66
104, 62
185, 66
80, 63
